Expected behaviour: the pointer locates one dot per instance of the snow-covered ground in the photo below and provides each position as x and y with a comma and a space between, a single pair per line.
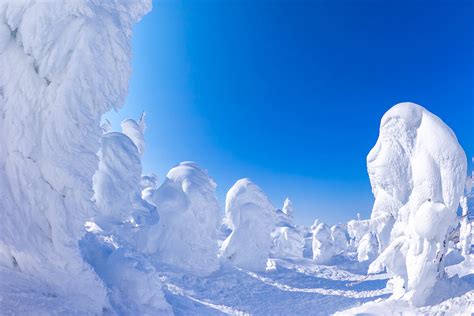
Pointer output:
297, 287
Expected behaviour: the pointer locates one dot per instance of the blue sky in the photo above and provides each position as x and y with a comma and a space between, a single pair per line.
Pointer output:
290, 93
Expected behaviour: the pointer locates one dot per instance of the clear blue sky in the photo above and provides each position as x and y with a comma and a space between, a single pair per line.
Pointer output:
290, 93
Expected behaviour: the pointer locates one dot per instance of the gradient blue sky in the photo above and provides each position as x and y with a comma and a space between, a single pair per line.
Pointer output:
290, 93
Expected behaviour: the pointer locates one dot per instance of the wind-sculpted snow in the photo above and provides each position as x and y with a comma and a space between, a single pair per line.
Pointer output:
117, 180
417, 170
252, 219
134, 130
287, 243
323, 247
123, 224
63, 64
339, 238
189, 218
287, 239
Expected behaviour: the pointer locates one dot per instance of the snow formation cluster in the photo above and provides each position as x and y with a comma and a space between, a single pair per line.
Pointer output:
78, 217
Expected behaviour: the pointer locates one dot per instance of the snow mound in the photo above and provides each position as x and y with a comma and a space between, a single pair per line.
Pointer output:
189, 218
252, 219
63, 64
417, 170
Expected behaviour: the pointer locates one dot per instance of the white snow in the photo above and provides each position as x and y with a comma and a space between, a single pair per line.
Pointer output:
417, 162
117, 180
63, 64
339, 238
83, 231
323, 247
252, 219
135, 131
189, 218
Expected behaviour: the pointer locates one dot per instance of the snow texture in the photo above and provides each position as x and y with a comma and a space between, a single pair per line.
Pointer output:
135, 131
323, 246
418, 164
83, 232
287, 239
252, 219
189, 218
63, 64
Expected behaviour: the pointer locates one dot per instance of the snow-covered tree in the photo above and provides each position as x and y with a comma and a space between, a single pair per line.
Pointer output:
288, 240
251, 217
465, 229
117, 180
367, 249
63, 65
417, 163
339, 238
135, 131
127, 220
323, 246
189, 218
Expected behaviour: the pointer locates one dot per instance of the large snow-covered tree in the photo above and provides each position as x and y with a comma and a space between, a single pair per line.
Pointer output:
417, 164
62, 65
252, 219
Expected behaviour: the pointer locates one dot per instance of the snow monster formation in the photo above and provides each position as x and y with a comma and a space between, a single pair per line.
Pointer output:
63, 64
323, 246
120, 232
288, 240
135, 130
251, 217
189, 218
417, 171
117, 180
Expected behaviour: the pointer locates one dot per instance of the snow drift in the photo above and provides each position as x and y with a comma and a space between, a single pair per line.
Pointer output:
417, 170
252, 219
